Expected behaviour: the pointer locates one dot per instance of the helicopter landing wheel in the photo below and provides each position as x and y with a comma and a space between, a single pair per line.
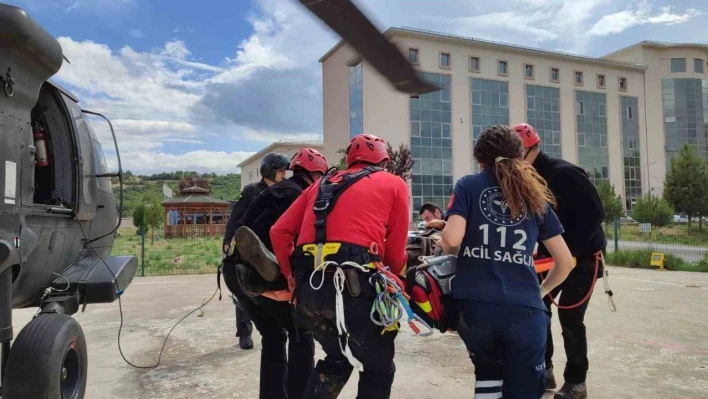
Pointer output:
48, 360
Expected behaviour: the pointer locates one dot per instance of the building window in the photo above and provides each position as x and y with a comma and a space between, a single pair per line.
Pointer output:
474, 64
431, 144
490, 105
631, 159
445, 60
502, 68
601, 81
356, 100
528, 71
555, 75
698, 65
678, 65
250, 176
413, 55
578, 77
543, 113
591, 128
685, 106
623, 84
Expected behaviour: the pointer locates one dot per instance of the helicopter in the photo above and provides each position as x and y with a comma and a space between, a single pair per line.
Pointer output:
58, 217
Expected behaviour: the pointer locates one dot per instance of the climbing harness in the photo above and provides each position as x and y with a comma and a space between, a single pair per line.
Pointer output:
599, 258
391, 300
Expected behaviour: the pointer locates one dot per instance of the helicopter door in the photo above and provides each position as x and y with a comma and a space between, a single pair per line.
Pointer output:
87, 174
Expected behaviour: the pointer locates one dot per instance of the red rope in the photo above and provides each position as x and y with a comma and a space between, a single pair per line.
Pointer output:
588, 295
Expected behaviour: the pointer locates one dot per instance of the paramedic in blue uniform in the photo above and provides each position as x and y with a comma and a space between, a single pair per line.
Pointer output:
494, 220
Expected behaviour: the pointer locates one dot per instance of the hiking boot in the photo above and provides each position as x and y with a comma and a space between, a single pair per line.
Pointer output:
252, 284
550, 379
245, 342
572, 391
253, 251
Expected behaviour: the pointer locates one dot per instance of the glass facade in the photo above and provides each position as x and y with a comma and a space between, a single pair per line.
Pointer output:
685, 115
631, 159
490, 106
356, 100
591, 127
431, 144
543, 113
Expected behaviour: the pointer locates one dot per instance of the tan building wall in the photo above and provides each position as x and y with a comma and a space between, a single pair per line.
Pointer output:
386, 112
250, 168
658, 59
335, 102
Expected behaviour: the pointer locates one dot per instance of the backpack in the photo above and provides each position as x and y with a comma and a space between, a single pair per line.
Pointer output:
430, 288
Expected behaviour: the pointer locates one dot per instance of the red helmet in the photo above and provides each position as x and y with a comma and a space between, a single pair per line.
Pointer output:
367, 148
528, 134
309, 159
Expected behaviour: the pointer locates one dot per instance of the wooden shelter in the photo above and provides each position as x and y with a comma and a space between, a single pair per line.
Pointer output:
195, 214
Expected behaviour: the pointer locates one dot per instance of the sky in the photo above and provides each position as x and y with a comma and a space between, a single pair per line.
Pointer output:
203, 85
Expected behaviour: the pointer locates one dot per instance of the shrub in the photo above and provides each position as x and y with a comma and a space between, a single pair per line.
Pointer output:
654, 210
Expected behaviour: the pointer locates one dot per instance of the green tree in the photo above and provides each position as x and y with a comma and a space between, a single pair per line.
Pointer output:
139, 217
611, 201
686, 184
401, 161
343, 159
654, 210
154, 218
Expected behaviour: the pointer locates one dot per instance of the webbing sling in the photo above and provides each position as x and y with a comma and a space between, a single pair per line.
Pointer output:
327, 197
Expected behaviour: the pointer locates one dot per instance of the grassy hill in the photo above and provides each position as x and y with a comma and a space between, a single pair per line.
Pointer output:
147, 189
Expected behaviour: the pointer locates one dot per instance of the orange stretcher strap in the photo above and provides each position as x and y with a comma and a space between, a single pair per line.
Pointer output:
543, 264
280, 296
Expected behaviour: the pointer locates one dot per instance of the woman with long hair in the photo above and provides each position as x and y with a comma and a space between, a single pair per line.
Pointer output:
495, 219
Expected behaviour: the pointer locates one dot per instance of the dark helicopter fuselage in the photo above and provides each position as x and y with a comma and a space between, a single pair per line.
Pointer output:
54, 184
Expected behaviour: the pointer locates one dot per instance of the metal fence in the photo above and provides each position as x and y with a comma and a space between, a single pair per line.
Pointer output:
679, 240
199, 253
686, 248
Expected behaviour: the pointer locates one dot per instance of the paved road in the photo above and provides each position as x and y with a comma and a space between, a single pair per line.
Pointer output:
654, 346
687, 252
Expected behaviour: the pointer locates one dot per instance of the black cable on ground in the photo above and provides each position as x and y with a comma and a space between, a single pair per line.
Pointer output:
120, 305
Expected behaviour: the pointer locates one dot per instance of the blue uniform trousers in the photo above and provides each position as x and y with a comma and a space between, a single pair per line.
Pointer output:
507, 345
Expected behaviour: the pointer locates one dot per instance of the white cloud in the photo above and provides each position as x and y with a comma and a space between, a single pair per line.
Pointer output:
643, 13
268, 86
136, 33
72, 7
149, 162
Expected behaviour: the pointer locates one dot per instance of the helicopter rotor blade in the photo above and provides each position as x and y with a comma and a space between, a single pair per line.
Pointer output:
343, 17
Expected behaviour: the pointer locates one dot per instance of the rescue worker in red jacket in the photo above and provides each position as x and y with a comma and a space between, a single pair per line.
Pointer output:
358, 216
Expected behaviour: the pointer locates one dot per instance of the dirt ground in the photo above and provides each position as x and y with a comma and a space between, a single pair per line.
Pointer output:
655, 346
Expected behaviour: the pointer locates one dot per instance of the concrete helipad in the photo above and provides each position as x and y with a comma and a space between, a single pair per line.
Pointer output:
655, 346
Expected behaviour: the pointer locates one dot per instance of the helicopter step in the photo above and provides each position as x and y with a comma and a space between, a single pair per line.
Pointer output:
94, 281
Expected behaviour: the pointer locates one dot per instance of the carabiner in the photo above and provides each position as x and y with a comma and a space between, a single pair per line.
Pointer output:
416, 329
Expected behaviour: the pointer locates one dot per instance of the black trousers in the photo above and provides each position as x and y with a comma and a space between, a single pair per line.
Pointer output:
316, 312
572, 321
506, 344
284, 374
244, 325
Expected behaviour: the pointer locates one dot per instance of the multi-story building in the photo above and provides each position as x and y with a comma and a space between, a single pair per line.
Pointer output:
604, 114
